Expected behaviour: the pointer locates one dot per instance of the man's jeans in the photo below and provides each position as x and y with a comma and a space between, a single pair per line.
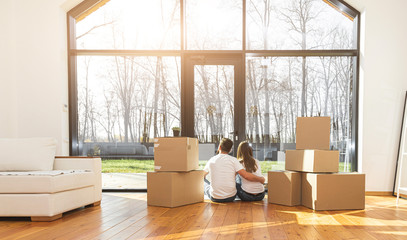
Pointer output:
245, 196
207, 186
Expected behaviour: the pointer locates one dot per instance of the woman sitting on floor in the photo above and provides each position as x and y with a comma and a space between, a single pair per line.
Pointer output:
247, 190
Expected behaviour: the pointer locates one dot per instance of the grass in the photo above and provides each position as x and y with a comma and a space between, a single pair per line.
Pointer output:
142, 166
132, 166
127, 166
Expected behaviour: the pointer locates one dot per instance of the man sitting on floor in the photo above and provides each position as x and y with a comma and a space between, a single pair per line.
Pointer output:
222, 170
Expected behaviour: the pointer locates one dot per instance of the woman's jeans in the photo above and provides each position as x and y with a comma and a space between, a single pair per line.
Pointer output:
245, 196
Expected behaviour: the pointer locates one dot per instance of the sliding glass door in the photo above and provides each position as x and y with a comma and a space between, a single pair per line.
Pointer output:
213, 101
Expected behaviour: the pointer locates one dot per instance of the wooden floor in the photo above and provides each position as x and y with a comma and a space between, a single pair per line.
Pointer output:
126, 215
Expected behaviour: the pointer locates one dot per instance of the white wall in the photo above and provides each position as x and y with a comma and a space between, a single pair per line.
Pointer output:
39, 70
37, 42
384, 84
8, 102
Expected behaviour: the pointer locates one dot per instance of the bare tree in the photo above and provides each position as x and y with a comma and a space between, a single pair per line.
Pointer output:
157, 85
123, 80
261, 15
107, 120
254, 106
93, 28
86, 100
291, 101
299, 16
87, 108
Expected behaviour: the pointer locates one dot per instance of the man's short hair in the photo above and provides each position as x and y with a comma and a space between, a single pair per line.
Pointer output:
226, 144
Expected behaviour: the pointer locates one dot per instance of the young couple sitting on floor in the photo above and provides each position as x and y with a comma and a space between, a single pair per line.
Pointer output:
229, 177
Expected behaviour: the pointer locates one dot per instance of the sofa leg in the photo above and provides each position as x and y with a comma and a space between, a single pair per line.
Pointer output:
46, 219
95, 204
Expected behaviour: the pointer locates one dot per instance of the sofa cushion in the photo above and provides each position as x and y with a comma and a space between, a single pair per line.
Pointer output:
42, 205
26, 154
41, 182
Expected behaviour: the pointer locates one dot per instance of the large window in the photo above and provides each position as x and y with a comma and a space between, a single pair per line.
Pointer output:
277, 93
214, 24
130, 24
239, 69
298, 25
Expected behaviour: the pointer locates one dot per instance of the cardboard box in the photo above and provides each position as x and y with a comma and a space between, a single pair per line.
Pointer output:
333, 191
284, 187
173, 189
176, 154
313, 133
317, 161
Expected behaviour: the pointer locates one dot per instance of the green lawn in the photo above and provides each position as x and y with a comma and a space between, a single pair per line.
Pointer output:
142, 166
127, 166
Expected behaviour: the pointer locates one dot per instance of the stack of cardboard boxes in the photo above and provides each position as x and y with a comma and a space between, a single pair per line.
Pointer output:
176, 180
311, 177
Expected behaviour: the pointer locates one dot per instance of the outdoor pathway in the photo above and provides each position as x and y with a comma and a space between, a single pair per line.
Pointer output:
124, 180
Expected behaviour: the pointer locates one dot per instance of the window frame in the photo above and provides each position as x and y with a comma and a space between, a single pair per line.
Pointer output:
86, 6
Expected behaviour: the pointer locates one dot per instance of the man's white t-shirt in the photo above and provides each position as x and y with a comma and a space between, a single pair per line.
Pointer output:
253, 187
222, 170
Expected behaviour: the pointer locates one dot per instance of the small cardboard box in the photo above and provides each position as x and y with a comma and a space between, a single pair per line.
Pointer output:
284, 187
313, 133
176, 154
173, 189
333, 191
312, 161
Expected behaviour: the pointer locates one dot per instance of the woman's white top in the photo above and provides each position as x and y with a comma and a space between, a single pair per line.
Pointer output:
253, 187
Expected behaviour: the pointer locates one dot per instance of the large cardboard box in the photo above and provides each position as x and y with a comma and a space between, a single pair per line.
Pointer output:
176, 154
312, 160
173, 189
313, 133
284, 187
333, 191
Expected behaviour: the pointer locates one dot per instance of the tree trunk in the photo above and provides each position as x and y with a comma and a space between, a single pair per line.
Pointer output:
266, 109
156, 98
291, 100
304, 89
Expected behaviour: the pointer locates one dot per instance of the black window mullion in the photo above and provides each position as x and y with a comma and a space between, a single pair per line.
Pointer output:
301, 53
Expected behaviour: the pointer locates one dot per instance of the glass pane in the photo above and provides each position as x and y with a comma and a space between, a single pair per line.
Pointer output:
131, 24
123, 103
297, 25
214, 25
281, 89
214, 109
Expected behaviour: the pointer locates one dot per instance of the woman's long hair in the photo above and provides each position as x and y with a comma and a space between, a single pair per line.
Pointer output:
245, 156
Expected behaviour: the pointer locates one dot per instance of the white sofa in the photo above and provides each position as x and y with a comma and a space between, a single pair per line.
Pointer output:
34, 183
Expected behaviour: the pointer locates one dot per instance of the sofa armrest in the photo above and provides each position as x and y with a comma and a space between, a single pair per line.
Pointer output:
83, 163
78, 163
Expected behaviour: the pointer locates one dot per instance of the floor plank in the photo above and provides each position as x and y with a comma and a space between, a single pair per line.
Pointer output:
193, 226
274, 223
245, 221
215, 224
260, 230
127, 216
161, 226
229, 227
289, 221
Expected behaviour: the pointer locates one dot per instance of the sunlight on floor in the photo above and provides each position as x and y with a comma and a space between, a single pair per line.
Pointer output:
367, 217
226, 230
137, 196
400, 233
